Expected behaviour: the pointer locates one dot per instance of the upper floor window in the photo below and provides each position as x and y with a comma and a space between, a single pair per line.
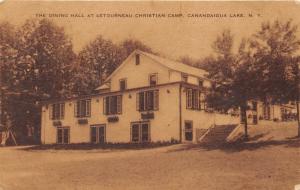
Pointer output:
193, 99
123, 84
83, 108
184, 77
58, 111
137, 59
147, 100
153, 79
200, 83
112, 105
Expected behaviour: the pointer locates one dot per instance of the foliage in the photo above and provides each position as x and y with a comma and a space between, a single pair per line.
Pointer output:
275, 49
99, 59
35, 65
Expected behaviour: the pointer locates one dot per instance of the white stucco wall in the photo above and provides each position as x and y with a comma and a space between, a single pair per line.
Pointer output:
202, 119
164, 126
138, 75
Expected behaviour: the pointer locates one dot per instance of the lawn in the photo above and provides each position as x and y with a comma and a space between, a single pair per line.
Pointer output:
269, 161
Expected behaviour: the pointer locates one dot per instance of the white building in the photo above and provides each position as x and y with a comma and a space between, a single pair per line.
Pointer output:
147, 98
272, 112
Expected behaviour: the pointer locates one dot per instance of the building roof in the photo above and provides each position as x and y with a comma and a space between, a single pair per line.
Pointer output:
177, 66
102, 87
173, 65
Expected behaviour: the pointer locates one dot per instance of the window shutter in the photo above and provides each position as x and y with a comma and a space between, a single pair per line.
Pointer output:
146, 100
189, 98
75, 109
196, 99
119, 104
138, 101
104, 106
156, 100
88, 108
62, 110
51, 111
202, 100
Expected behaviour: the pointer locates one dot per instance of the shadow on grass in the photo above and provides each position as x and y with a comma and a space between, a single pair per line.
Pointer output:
106, 146
241, 145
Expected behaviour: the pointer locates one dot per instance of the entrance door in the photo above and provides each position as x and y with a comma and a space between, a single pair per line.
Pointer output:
140, 132
188, 130
98, 134
63, 135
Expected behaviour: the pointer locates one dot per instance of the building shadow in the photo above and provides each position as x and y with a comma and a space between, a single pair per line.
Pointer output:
240, 145
106, 146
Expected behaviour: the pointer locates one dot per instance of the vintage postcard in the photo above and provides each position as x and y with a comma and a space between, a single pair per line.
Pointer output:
112, 95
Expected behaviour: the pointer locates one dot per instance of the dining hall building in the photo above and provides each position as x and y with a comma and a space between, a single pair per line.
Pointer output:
146, 99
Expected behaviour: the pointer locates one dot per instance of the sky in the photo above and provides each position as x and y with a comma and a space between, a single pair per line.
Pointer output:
173, 37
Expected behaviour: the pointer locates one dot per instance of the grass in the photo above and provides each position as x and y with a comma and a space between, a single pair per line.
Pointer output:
88, 146
270, 160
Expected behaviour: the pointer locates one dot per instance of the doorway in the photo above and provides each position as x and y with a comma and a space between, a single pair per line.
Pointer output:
98, 134
188, 130
140, 132
63, 135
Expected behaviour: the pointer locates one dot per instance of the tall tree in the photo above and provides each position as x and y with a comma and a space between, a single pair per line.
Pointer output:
276, 47
8, 59
233, 76
39, 69
95, 62
99, 59
221, 68
129, 45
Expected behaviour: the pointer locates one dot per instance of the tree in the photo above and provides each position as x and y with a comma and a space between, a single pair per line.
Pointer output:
275, 48
129, 45
39, 62
8, 58
95, 62
233, 75
221, 68
99, 59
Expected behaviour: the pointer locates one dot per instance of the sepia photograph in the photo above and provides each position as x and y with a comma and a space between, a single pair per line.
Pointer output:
149, 95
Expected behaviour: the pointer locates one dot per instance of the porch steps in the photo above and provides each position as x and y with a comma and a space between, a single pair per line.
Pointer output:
217, 134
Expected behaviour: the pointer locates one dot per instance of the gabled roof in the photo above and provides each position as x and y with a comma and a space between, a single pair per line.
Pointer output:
102, 87
178, 66
173, 65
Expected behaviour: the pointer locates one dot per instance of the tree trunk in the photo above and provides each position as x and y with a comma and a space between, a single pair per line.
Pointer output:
298, 117
244, 115
245, 123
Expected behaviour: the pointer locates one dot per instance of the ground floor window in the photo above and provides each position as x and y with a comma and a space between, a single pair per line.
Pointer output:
63, 135
98, 134
188, 130
140, 132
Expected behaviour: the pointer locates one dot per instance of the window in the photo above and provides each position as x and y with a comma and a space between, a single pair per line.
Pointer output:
135, 132
63, 135
200, 83
188, 130
153, 79
112, 105
98, 134
193, 99
137, 59
58, 111
123, 84
184, 78
147, 100
83, 108
140, 132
